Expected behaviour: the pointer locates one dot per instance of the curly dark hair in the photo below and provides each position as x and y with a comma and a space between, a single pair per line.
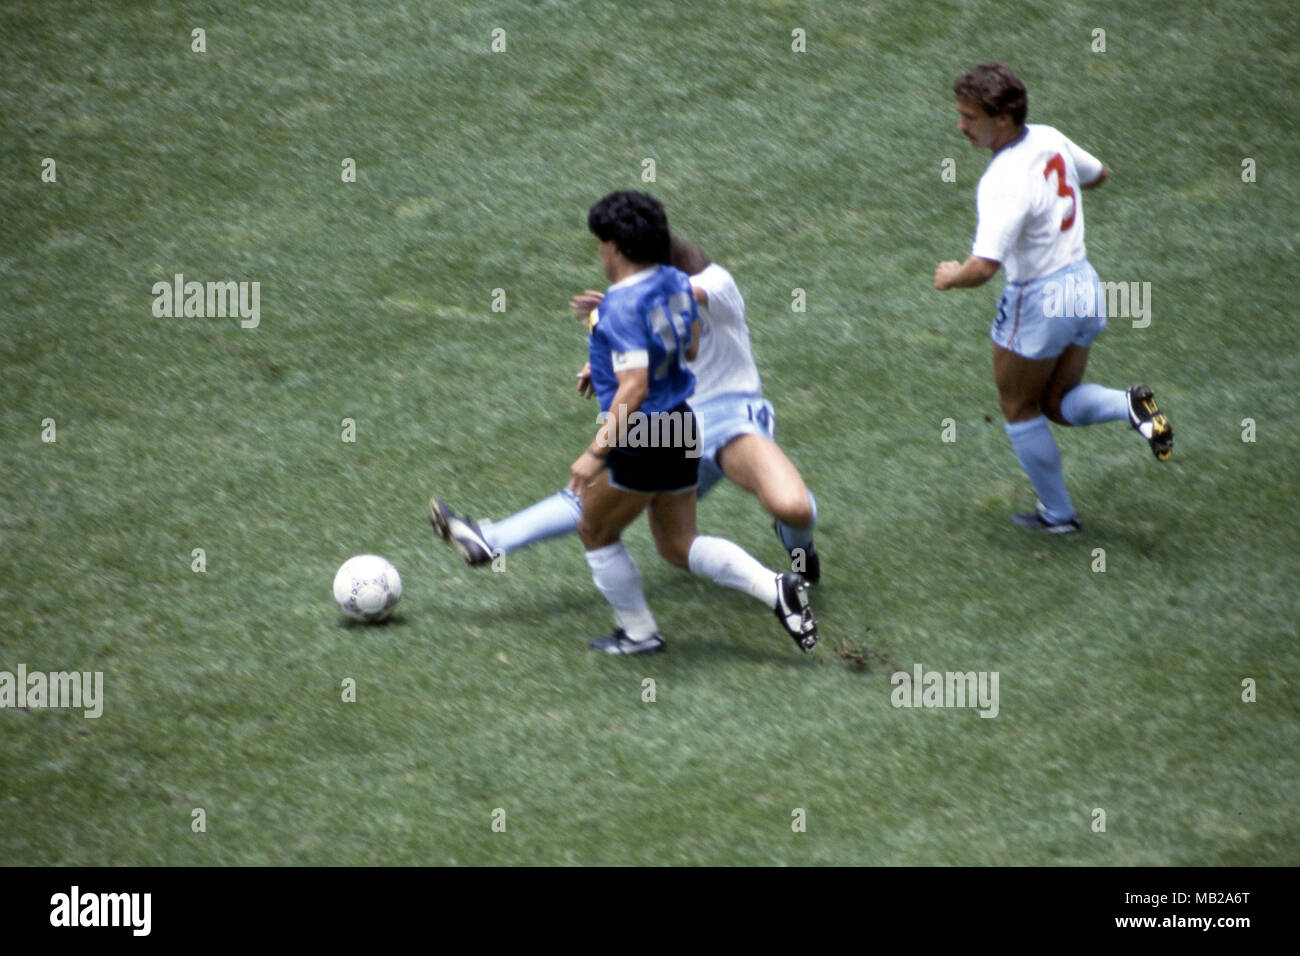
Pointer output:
636, 222
995, 89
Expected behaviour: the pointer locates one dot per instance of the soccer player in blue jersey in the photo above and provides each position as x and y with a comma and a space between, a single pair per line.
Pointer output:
645, 456
736, 423
1030, 209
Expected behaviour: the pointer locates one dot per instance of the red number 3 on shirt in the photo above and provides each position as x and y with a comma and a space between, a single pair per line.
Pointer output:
1062, 189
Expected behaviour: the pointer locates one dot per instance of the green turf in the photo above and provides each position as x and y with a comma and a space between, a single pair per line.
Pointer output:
1119, 690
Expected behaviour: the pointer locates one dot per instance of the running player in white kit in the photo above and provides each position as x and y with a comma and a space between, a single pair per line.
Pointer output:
1030, 222
736, 434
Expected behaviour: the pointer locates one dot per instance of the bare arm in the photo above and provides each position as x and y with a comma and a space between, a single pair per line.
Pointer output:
633, 387
693, 349
964, 275
1105, 173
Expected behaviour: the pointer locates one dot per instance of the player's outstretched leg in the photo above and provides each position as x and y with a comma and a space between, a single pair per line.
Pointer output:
462, 534
758, 465
548, 518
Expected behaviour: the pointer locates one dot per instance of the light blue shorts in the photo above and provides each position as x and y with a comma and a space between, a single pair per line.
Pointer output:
722, 418
1038, 319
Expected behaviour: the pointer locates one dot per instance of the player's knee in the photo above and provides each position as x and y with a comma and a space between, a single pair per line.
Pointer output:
1052, 405
676, 550
1018, 410
593, 535
794, 510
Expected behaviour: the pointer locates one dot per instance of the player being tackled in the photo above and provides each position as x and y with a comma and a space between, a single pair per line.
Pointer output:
737, 428
645, 333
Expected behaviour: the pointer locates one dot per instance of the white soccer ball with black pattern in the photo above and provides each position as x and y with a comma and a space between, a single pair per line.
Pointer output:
367, 588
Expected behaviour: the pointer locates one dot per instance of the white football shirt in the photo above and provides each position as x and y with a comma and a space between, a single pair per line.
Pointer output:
725, 363
1030, 207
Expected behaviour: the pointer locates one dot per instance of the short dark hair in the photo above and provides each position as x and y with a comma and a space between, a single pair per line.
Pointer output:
636, 222
687, 256
995, 89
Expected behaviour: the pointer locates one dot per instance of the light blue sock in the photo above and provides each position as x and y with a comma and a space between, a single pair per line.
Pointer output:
1039, 456
551, 516
1093, 404
798, 537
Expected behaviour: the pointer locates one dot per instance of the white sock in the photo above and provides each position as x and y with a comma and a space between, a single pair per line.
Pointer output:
617, 577
728, 564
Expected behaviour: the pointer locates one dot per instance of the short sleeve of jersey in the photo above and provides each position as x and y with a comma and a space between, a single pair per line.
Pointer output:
720, 287
623, 333
1087, 165
1000, 213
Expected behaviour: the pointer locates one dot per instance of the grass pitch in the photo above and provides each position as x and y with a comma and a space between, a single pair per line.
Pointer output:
1121, 689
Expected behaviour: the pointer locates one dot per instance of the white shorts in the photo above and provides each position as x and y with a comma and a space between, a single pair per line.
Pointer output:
722, 418
1040, 318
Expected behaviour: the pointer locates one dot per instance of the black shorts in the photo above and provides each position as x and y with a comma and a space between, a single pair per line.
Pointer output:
663, 458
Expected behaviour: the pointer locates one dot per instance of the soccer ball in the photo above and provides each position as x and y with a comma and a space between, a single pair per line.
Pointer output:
367, 587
